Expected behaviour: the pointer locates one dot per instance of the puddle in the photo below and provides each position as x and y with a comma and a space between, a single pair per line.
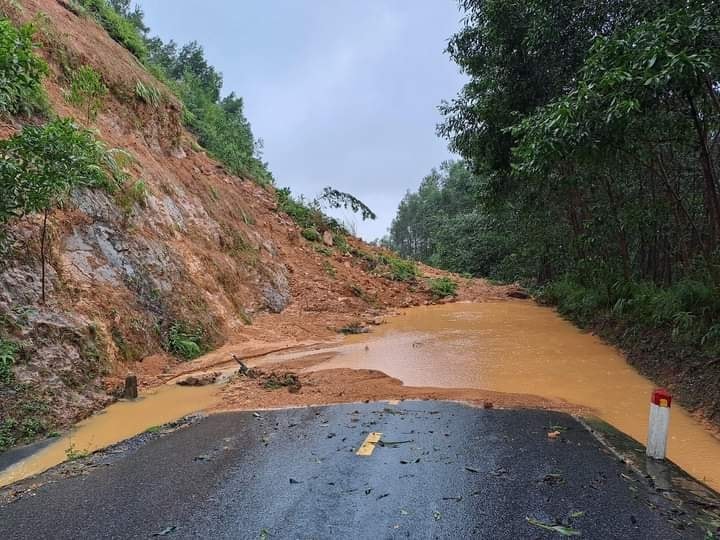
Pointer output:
116, 423
525, 348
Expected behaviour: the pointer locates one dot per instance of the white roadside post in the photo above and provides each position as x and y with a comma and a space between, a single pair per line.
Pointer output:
659, 422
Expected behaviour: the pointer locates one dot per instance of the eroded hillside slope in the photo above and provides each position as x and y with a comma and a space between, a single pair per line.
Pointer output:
201, 251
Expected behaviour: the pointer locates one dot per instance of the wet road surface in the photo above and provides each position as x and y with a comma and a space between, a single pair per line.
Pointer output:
442, 470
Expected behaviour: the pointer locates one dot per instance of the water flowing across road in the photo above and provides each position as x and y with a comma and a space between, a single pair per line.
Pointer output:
520, 347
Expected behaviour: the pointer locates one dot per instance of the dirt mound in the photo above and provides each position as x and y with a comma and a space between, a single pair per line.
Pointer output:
362, 385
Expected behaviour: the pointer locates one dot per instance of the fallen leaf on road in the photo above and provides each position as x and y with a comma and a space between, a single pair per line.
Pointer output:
560, 529
579, 513
553, 434
472, 470
392, 444
437, 516
165, 531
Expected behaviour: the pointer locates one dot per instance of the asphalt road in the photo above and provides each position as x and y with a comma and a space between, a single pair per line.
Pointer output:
463, 473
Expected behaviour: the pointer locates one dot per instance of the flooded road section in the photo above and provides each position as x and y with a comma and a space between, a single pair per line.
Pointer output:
118, 422
515, 347
520, 347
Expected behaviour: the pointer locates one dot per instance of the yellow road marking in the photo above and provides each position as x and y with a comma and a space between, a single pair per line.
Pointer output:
367, 447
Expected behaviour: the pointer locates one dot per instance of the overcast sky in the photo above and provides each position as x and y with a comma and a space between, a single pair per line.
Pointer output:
344, 93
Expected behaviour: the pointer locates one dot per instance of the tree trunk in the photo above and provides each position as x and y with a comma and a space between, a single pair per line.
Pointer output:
42, 253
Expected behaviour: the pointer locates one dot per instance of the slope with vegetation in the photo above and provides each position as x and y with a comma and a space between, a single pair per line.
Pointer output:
590, 133
139, 226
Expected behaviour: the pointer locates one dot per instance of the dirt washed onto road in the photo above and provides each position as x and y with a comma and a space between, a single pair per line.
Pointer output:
364, 385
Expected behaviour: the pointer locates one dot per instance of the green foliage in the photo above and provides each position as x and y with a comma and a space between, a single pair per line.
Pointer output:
324, 250
185, 340
30, 427
21, 71
340, 199
329, 269
119, 27
400, 269
341, 243
73, 454
311, 234
7, 429
148, 93
442, 287
87, 91
40, 166
687, 311
8, 350
306, 214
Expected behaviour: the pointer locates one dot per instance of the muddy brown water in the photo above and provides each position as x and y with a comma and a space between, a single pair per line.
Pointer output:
116, 423
520, 347
508, 346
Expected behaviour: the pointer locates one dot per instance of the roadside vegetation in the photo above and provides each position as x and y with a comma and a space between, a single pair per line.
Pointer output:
591, 162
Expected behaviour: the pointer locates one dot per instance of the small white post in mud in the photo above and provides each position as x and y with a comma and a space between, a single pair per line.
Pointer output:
659, 422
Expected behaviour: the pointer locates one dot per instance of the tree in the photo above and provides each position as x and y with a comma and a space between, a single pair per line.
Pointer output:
41, 165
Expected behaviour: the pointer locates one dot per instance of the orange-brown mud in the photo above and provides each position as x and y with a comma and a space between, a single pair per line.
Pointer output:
362, 385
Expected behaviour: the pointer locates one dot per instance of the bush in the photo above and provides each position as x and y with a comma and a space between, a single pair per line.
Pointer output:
401, 269
185, 341
119, 28
21, 71
87, 91
442, 287
311, 234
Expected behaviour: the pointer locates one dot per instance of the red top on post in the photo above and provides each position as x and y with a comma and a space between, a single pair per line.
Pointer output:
661, 397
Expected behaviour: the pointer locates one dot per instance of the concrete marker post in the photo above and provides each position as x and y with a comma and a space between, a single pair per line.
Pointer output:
659, 422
